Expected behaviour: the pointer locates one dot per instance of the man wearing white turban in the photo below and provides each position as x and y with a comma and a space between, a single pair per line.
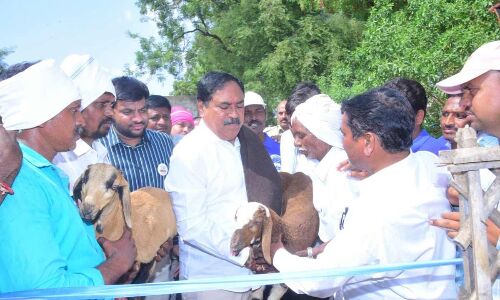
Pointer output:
98, 95
316, 131
44, 242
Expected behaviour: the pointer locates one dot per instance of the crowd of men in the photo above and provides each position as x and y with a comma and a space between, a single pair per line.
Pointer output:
379, 193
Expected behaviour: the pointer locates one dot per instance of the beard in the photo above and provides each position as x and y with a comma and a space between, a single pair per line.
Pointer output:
128, 132
101, 131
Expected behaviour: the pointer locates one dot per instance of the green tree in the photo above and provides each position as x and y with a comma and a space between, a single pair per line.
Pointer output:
424, 40
271, 45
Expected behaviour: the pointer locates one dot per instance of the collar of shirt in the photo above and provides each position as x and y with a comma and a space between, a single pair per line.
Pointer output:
38, 161
209, 135
115, 140
331, 160
33, 157
82, 147
381, 177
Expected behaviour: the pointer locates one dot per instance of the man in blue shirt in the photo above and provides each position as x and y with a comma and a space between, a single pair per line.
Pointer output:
255, 119
414, 92
44, 242
142, 155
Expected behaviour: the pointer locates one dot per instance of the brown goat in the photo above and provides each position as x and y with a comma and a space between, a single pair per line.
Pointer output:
106, 202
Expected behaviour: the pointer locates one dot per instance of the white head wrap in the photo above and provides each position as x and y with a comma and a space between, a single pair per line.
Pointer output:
89, 77
322, 117
35, 95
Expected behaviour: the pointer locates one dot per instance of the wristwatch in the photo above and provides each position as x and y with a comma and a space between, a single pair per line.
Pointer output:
5, 188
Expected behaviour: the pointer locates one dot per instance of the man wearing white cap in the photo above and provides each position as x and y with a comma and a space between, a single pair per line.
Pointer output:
316, 131
97, 93
44, 243
388, 221
255, 119
479, 81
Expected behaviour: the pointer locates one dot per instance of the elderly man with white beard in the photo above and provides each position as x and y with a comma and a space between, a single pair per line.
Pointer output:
316, 132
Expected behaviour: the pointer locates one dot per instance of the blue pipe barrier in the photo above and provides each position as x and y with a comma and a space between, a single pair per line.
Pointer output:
213, 283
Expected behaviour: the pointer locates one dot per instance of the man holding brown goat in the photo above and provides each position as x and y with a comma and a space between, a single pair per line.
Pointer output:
44, 243
210, 177
388, 222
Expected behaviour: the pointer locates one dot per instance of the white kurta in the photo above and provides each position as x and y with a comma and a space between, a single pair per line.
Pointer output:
332, 193
291, 160
74, 162
387, 223
207, 185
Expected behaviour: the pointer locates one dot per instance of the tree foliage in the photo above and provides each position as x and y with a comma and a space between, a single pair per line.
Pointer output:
271, 45
424, 40
348, 46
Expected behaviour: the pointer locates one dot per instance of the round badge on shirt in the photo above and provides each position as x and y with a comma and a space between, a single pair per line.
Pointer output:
162, 169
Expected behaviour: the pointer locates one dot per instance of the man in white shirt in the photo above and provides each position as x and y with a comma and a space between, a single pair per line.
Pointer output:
97, 93
316, 129
207, 185
389, 221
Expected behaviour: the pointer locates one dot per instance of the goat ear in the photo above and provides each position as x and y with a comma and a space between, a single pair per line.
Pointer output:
124, 194
266, 238
77, 188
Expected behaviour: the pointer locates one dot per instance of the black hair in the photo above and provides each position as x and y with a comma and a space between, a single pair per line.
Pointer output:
300, 93
412, 90
130, 89
383, 112
158, 101
16, 69
211, 82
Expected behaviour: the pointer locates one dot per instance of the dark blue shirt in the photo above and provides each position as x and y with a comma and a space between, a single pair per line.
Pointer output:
144, 165
425, 142
273, 148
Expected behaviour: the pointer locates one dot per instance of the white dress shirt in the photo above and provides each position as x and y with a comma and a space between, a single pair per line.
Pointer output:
74, 162
387, 223
332, 192
291, 160
207, 185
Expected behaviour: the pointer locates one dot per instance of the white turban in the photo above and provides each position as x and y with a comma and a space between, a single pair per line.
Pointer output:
89, 77
36, 95
322, 117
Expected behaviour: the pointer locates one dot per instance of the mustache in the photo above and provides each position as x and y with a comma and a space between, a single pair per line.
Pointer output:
231, 121
105, 121
254, 122
79, 130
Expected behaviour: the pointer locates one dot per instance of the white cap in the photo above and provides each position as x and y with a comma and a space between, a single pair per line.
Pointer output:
322, 117
36, 95
89, 77
484, 59
252, 98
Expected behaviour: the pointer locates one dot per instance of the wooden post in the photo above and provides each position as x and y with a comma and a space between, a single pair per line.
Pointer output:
476, 206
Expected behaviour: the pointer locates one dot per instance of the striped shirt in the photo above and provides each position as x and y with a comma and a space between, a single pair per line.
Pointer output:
144, 165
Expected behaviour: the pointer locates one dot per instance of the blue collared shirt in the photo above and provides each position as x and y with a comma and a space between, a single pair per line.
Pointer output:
144, 165
425, 142
43, 241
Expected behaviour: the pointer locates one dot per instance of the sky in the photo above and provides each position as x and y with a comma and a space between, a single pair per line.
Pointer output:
40, 29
